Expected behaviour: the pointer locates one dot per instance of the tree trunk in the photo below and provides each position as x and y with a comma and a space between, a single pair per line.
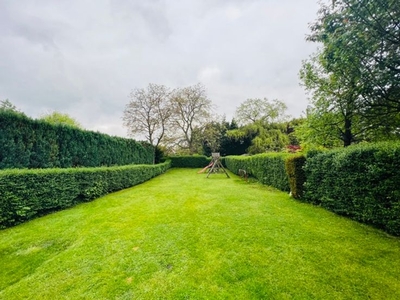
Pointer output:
347, 134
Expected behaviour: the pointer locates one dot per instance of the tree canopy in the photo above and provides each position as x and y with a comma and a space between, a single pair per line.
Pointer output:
191, 111
175, 119
148, 113
58, 118
7, 106
254, 110
354, 78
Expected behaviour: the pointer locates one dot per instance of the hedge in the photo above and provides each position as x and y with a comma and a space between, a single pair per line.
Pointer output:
28, 143
294, 166
189, 161
360, 182
27, 194
268, 168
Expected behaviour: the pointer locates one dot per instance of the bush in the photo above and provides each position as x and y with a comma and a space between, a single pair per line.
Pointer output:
235, 163
28, 143
26, 194
159, 155
361, 182
295, 172
268, 168
189, 161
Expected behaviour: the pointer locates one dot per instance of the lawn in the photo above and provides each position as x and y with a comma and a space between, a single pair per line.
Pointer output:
183, 236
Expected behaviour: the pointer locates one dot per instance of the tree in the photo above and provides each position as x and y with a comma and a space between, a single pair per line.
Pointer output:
335, 100
320, 129
253, 110
262, 124
370, 30
210, 137
359, 66
57, 118
292, 130
190, 111
218, 139
148, 113
264, 137
6, 105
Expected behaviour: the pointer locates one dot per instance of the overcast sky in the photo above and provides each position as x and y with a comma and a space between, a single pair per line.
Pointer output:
83, 57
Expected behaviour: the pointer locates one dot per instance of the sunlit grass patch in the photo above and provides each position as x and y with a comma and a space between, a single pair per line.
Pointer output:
183, 236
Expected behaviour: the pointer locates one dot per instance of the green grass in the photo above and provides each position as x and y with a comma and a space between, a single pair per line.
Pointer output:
182, 236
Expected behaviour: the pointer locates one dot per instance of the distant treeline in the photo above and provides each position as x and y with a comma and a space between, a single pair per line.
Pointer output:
29, 143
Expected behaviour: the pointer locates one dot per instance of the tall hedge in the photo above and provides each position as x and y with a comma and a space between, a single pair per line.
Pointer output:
361, 182
28, 143
268, 168
295, 171
27, 194
189, 161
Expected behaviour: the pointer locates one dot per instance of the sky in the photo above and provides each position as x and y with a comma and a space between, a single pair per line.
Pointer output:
84, 57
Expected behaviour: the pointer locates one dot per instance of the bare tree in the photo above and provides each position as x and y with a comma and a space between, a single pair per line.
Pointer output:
148, 113
191, 110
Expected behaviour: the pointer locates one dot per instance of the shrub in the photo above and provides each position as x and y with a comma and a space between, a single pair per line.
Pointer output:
189, 161
296, 176
26, 194
234, 163
361, 182
268, 168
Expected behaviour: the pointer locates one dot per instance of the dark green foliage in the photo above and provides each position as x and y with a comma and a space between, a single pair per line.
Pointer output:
214, 138
295, 172
361, 182
189, 161
354, 77
27, 143
159, 155
26, 194
232, 146
268, 168
234, 163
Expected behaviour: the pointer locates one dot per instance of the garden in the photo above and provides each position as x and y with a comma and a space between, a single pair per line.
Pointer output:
85, 215
305, 208
184, 236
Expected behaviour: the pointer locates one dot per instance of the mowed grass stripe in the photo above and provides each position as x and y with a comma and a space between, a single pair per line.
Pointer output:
183, 236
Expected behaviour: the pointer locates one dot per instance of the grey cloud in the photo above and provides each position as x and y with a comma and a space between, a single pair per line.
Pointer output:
153, 13
84, 57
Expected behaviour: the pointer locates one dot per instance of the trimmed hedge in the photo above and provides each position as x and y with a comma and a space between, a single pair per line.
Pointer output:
28, 143
360, 182
27, 194
189, 161
294, 168
268, 168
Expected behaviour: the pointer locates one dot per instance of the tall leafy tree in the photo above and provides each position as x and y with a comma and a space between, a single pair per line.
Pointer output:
358, 67
370, 30
263, 124
233, 144
149, 112
211, 136
264, 137
334, 114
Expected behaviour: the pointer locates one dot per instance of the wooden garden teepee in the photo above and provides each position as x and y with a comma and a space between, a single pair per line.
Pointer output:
216, 165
